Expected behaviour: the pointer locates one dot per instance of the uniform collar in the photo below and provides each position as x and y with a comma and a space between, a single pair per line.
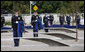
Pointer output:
16, 15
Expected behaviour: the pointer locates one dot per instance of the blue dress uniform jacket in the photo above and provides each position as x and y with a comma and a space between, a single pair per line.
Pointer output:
14, 19
51, 19
68, 19
77, 18
61, 19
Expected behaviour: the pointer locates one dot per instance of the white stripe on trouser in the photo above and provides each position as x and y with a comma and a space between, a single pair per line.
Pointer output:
35, 32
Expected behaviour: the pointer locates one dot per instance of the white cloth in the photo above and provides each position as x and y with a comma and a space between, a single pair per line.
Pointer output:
82, 21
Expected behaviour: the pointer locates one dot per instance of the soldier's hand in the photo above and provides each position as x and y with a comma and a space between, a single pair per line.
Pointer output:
43, 23
11, 28
3, 24
16, 21
24, 24
31, 26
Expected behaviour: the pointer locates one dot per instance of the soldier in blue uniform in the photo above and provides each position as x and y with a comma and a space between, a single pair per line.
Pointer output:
15, 20
34, 22
51, 19
2, 20
61, 19
45, 21
68, 19
77, 18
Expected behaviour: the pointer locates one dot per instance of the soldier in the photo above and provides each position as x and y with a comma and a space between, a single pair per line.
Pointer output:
68, 19
35, 25
61, 19
77, 18
17, 25
2, 20
45, 21
51, 19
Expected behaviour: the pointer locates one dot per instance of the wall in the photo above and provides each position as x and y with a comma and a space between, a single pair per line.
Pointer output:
27, 18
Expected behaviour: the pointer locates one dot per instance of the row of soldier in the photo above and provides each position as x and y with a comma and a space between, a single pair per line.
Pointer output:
51, 18
68, 19
36, 22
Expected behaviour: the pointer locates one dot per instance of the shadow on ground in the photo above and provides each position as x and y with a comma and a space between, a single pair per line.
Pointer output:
63, 36
47, 41
65, 30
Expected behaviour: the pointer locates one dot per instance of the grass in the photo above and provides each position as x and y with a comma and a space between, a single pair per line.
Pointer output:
8, 23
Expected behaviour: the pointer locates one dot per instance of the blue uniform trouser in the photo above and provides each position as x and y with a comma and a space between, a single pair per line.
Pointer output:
78, 21
16, 41
68, 22
51, 22
35, 30
46, 25
61, 22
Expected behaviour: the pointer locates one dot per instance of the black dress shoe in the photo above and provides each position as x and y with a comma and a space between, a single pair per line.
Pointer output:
16, 45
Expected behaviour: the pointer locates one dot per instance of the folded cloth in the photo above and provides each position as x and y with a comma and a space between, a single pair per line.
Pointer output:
39, 24
20, 28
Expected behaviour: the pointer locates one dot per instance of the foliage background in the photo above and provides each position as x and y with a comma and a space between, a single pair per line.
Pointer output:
43, 6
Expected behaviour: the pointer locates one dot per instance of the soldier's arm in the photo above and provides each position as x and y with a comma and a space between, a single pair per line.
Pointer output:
64, 18
12, 21
53, 17
4, 20
70, 17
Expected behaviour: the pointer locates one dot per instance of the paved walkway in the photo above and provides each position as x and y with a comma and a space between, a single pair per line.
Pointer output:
54, 40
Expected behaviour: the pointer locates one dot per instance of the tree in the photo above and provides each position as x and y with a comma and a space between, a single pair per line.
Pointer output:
43, 6
81, 6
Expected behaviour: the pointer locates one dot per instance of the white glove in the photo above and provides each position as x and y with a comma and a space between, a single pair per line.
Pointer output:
3, 24
16, 21
43, 23
35, 20
32, 26
11, 28
19, 18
